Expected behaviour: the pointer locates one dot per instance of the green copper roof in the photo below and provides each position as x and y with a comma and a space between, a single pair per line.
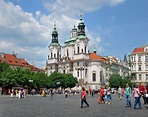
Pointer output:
94, 49
71, 39
81, 36
81, 22
74, 29
54, 44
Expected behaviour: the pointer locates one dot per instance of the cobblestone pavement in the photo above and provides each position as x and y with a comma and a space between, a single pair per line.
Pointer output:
38, 106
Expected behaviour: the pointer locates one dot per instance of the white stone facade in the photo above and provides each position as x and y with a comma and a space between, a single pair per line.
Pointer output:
139, 64
90, 69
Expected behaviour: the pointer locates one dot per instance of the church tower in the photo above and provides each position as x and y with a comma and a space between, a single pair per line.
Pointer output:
54, 52
81, 43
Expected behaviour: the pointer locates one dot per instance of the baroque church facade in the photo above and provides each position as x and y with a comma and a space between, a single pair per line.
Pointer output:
90, 69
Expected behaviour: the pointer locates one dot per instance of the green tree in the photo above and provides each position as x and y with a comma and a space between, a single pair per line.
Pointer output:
115, 80
126, 80
62, 80
57, 80
70, 80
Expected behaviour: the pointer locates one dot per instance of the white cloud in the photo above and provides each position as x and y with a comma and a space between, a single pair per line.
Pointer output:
73, 7
107, 44
100, 49
29, 34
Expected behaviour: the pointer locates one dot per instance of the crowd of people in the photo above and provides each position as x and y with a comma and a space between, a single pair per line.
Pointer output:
137, 92
19, 93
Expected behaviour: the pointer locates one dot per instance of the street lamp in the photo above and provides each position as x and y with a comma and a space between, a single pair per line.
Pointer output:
81, 80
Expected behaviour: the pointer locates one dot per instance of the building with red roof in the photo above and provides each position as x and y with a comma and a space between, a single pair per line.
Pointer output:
15, 62
139, 64
90, 69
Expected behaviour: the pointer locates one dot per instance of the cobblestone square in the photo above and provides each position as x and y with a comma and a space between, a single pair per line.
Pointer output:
59, 106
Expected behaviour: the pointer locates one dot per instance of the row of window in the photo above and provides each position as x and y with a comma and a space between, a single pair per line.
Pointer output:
139, 67
54, 56
133, 59
140, 77
67, 52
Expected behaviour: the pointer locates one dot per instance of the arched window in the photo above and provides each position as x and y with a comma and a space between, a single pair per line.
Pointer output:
94, 77
78, 49
82, 50
85, 72
78, 73
67, 52
51, 54
57, 54
54, 55
64, 71
85, 49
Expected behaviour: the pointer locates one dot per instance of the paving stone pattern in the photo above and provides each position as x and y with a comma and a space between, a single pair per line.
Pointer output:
59, 106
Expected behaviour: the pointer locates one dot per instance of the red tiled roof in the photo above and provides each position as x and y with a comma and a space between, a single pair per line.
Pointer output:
24, 62
33, 68
138, 50
1, 59
94, 56
11, 59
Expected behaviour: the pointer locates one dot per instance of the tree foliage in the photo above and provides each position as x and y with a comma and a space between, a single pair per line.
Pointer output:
116, 80
20, 77
62, 80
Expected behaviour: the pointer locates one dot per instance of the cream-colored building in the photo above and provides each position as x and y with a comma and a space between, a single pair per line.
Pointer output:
91, 70
139, 64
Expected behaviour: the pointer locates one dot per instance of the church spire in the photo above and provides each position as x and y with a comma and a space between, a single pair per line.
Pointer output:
54, 34
74, 32
94, 49
81, 26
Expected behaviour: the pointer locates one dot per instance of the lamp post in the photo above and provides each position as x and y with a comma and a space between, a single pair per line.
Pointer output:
81, 80
30, 82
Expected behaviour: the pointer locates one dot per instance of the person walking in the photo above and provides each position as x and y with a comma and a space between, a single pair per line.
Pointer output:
19, 93
92, 93
142, 91
108, 95
146, 95
105, 94
119, 92
51, 93
83, 97
128, 96
123, 91
101, 95
136, 95
12, 92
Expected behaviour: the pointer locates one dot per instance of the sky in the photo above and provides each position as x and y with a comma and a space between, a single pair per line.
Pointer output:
115, 27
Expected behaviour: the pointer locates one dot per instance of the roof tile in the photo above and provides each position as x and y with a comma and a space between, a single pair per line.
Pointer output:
94, 56
12, 60
138, 50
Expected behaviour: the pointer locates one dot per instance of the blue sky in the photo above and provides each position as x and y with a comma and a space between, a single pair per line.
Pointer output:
115, 27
